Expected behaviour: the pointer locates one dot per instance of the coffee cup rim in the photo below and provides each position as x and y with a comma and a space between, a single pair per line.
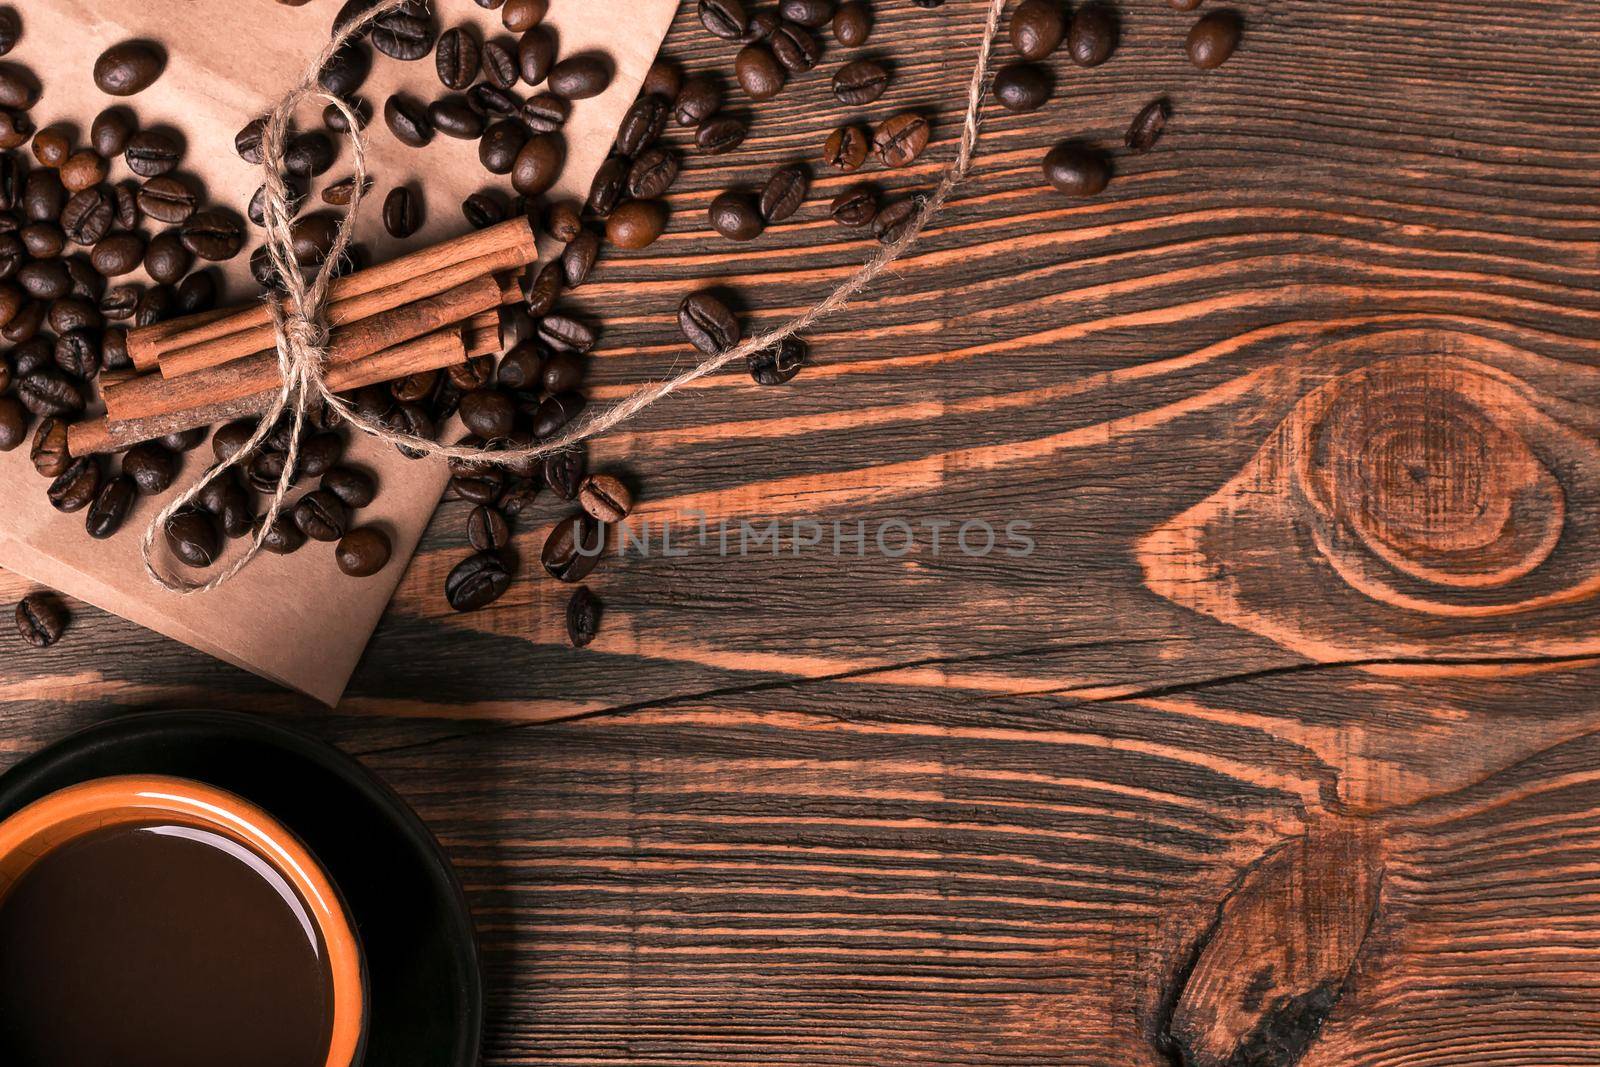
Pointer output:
75, 810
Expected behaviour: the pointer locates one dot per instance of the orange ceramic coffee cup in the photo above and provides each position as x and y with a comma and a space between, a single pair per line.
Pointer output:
106, 802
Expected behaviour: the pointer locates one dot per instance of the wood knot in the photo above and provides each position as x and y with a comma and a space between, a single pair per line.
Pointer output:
1432, 504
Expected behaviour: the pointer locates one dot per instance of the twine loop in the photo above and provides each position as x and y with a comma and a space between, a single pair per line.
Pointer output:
300, 323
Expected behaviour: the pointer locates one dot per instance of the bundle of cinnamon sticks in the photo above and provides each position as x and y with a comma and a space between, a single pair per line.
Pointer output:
421, 312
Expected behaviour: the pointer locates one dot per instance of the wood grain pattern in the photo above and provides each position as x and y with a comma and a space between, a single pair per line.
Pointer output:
1302, 415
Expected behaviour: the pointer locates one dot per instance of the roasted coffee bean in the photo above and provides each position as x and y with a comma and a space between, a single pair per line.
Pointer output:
454, 117
664, 79
19, 89
1147, 125
75, 488
334, 119
119, 301
500, 145
893, 218
723, 18
538, 165
193, 537
581, 76
415, 388
247, 142
564, 472
266, 469
563, 372
517, 497
321, 516
51, 146
1022, 87
573, 548
83, 169
795, 47
499, 62
697, 101
228, 499
488, 413
230, 439
406, 33
110, 507
72, 313
1076, 169
1037, 28
111, 131
49, 394
408, 121
605, 498
196, 293
1213, 39
40, 620
809, 13
167, 199
77, 353
212, 235
343, 191
13, 254
536, 55
652, 174
155, 304
13, 423
759, 72
10, 30
126, 197
475, 373
49, 451
522, 367
32, 355
309, 154
857, 206
151, 466
456, 57
720, 135
1093, 35
355, 489
636, 224
87, 283
13, 180
578, 257
45, 279
480, 485
183, 440
487, 529
708, 323
522, 15
363, 552
483, 209
43, 240
778, 364
610, 182
642, 125
15, 128
151, 153
402, 212
320, 454
114, 350
283, 536
545, 290
88, 215
43, 196
544, 112
477, 581
347, 71
736, 216
168, 257
860, 82
583, 617
25, 324
899, 140
566, 334
554, 412
846, 148
128, 68
852, 23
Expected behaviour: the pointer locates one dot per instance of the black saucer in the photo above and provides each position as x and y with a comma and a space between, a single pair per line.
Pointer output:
422, 957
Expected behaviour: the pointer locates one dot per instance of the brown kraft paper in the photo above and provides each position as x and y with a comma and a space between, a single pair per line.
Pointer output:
295, 619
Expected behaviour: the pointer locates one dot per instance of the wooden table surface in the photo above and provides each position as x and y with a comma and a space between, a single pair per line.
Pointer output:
1278, 747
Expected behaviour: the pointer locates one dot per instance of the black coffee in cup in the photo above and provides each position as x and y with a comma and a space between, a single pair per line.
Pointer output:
160, 945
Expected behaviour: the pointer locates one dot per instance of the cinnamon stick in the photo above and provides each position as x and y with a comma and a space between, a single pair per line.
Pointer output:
512, 241
153, 395
433, 351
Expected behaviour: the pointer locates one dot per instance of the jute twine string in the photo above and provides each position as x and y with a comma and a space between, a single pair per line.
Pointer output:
302, 333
